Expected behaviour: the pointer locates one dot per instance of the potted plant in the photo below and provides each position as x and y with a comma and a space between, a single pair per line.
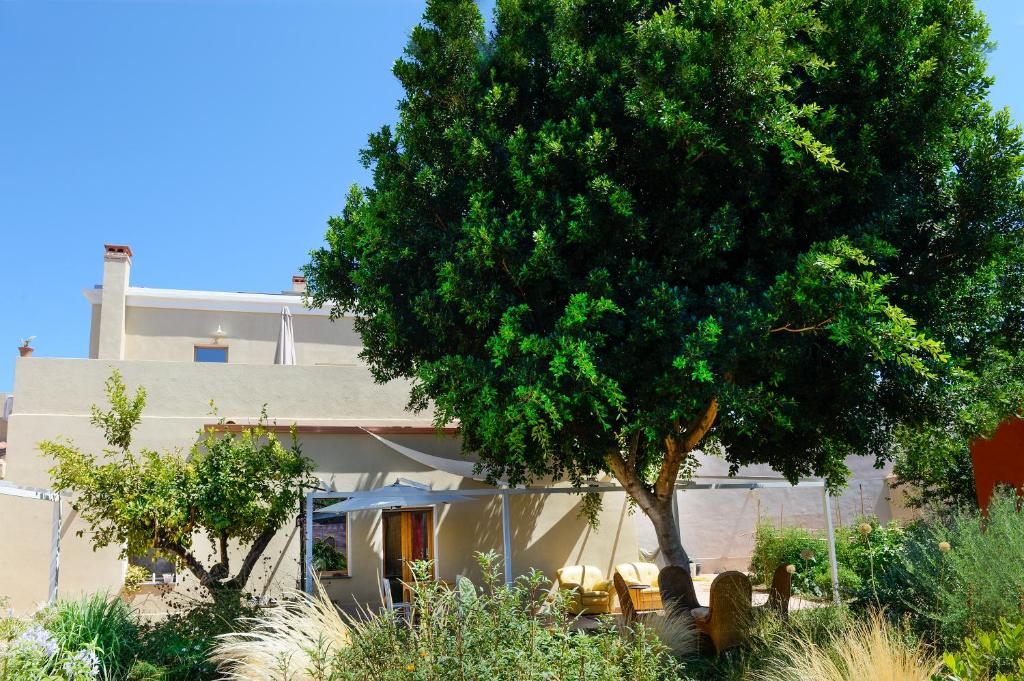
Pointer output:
26, 348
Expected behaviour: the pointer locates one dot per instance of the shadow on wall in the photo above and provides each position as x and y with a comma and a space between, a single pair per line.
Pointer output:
565, 539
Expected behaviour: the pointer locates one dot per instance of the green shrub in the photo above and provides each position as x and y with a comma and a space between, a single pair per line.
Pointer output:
865, 554
37, 655
100, 621
146, 671
988, 655
805, 549
860, 557
181, 643
503, 633
967, 589
849, 581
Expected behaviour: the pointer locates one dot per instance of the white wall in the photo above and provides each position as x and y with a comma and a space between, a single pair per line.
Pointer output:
170, 335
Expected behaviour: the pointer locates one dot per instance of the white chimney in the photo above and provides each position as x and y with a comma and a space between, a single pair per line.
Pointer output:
117, 265
298, 284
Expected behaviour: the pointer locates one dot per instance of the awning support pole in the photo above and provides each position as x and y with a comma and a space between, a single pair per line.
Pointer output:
833, 564
506, 534
308, 538
55, 550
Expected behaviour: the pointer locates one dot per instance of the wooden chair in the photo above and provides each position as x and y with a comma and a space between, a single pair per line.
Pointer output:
726, 618
781, 591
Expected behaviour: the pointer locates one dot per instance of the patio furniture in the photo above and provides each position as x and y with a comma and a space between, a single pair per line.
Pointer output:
727, 616
590, 590
676, 587
644, 596
781, 591
403, 609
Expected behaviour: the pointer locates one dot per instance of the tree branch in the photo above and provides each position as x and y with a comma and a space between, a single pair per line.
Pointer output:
679, 445
190, 561
803, 329
629, 478
255, 551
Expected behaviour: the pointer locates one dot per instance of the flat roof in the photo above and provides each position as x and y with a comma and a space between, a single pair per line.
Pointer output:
222, 301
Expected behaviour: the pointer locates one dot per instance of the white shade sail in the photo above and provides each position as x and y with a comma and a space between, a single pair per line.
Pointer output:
285, 353
464, 469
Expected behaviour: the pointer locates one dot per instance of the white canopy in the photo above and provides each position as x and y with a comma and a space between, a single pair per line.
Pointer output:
401, 494
285, 353
463, 468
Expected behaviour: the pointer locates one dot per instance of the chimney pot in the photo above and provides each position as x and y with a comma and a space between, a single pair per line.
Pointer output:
117, 252
298, 284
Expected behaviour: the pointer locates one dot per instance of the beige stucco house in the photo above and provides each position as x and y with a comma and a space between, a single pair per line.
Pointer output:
188, 347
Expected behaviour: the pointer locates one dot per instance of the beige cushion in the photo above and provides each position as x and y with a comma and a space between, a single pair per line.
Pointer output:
639, 573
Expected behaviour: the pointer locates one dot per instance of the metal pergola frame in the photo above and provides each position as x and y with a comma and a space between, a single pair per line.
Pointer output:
11, 490
736, 483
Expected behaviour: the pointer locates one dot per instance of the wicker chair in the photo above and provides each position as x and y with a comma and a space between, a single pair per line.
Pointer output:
726, 619
677, 592
781, 591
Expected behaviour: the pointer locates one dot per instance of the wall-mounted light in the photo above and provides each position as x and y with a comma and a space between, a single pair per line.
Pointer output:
218, 334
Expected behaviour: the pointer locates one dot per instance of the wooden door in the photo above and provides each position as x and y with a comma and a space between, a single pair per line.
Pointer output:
408, 536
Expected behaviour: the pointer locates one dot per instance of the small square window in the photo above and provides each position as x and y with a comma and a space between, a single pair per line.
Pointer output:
160, 569
211, 353
330, 543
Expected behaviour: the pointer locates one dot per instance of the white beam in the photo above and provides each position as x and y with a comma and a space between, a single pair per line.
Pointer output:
833, 564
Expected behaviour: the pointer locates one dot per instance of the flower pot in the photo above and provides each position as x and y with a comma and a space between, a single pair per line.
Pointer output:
25, 350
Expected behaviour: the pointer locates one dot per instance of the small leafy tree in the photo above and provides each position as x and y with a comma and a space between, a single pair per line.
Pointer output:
613, 231
232, 487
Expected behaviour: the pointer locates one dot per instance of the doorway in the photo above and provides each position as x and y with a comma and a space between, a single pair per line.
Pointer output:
408, 537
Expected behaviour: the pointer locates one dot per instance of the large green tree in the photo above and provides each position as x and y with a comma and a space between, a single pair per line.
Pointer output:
609, 232
233, 489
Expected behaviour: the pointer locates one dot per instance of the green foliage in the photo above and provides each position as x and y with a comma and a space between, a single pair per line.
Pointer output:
950, 595
998, 655
857, 555
934, 464
767, 636
804, 549
232, 487
326, 557
100, 621
80, 640
180, 644
146, 671
134, 577
501, 633
603, 217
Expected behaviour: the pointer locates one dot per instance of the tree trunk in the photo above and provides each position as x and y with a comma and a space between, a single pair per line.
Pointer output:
656, 501
666, 529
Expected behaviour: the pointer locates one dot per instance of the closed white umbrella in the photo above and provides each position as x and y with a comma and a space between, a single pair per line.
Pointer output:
285, 353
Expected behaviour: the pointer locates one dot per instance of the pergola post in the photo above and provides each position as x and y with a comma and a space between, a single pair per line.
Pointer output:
55, 550
833, 565
506, 535
308, 539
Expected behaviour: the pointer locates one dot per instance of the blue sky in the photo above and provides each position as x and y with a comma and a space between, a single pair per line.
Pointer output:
213, 136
